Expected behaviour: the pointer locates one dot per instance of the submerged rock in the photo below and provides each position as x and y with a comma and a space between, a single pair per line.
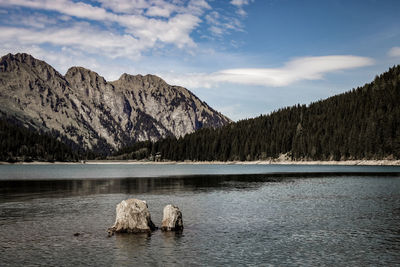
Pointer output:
172, 219
132, 216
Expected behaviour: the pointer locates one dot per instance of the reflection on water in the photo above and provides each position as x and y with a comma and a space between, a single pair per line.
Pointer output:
285, 220
13, 189
166, 185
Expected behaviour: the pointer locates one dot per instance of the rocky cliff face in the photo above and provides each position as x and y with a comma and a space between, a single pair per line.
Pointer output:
95, 113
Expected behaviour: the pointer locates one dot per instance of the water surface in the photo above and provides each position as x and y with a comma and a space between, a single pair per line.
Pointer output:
79, 171
238, 219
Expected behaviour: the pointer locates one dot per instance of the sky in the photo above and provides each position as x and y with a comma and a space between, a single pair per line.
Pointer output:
242, 57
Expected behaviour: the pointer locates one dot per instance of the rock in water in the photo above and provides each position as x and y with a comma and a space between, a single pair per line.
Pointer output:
133, 216
172, 219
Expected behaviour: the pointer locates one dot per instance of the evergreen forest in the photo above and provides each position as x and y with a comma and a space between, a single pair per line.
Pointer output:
20, 143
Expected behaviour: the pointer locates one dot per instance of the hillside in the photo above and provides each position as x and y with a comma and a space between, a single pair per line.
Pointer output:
363, 123
20, 143
96, 114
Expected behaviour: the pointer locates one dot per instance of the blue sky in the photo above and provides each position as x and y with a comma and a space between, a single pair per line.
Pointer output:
242, 57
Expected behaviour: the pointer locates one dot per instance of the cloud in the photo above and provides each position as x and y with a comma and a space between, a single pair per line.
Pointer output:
125, 6
34, 20
394, 52
81, 36
156, 11
76, 9
112, 31
140, 25
139, 20
304, 68
221, 24
62, 61
239, 4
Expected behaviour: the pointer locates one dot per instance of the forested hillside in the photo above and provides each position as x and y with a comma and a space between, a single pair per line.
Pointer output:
19, 143
363, 123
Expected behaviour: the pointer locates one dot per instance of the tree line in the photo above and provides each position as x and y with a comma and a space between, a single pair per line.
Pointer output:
20, 143
363, 123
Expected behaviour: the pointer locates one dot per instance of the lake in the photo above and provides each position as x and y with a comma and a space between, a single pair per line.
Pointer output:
283, 215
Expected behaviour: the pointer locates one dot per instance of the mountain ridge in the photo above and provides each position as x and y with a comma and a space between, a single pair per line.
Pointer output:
95, 113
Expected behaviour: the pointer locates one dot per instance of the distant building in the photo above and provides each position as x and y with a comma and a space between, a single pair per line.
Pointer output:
157, 157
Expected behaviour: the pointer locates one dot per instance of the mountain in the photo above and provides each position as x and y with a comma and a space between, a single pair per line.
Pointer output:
93, 113
363, 123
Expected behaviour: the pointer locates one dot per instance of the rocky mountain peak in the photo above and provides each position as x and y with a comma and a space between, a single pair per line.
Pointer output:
125, 77
23, 58
25, 63
79, 77
79, 70
144, 81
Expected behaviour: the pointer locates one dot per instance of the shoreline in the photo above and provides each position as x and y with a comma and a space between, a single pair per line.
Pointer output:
258, 162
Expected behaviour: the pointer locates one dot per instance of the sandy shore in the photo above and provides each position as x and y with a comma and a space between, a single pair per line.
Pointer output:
259, 162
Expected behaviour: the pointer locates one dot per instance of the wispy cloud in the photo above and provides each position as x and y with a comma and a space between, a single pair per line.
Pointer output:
304, 68
394, 52
148, 23
220, 24
113, 28
240, 4
68, 57
81, 36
